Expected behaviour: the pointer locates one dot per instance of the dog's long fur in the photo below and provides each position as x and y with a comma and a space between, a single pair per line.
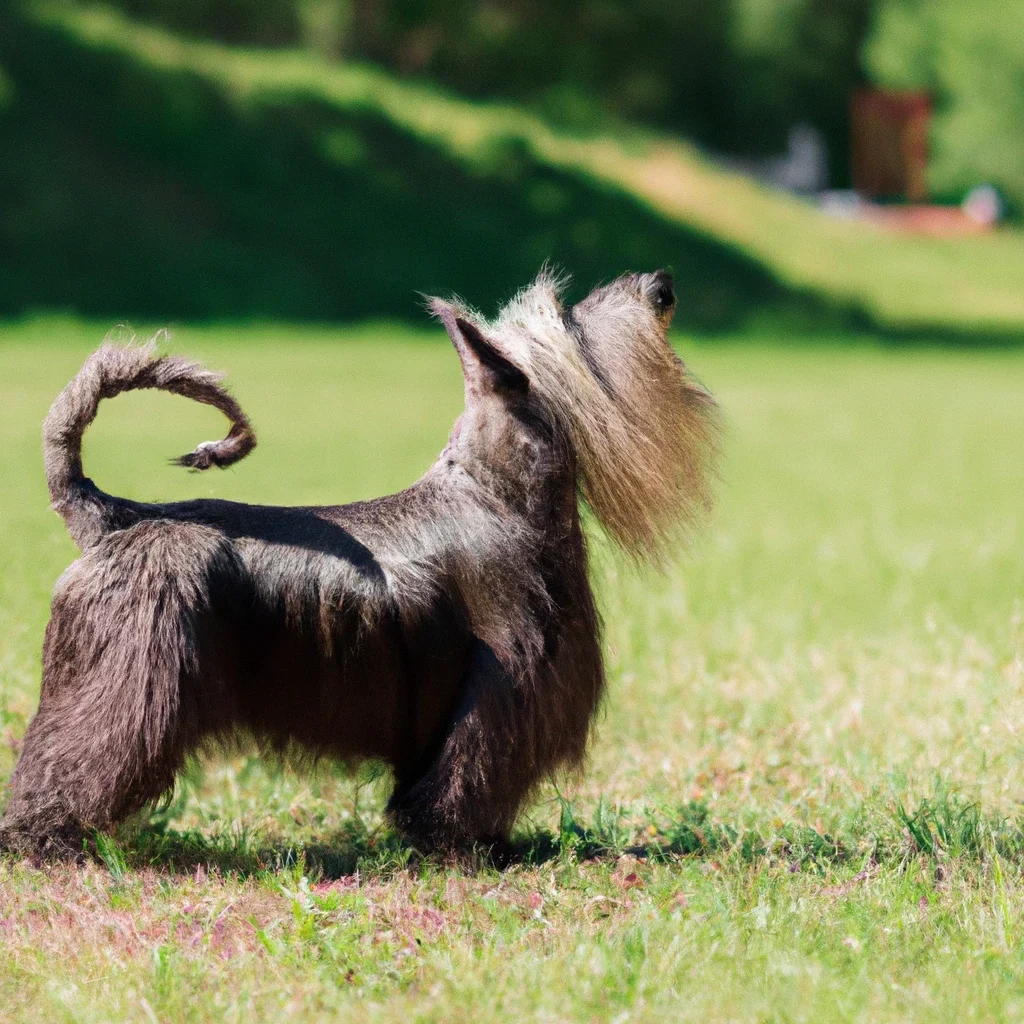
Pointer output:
449, 630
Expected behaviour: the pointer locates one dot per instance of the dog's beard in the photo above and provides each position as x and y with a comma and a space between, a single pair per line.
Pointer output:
645, 433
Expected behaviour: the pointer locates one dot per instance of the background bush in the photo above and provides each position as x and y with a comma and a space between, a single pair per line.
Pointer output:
971, 57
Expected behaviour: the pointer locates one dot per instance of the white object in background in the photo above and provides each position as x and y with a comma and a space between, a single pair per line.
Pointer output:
983, 205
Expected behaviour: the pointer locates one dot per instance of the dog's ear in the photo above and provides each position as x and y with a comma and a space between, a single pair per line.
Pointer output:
483, 365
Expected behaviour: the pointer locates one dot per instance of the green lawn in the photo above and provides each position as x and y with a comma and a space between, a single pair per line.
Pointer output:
803, 801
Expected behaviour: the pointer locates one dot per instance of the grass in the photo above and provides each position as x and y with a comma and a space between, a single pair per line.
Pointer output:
803, 801
902, 282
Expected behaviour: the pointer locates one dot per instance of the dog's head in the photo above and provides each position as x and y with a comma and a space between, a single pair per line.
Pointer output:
602, 377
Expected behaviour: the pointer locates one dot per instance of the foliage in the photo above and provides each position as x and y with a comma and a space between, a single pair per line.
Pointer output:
971, 57
262, 22
734, 75
697, 68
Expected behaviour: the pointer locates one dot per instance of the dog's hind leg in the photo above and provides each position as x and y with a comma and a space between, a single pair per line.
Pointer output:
38, 820
78, 771
120, 701
491, 758
108, 738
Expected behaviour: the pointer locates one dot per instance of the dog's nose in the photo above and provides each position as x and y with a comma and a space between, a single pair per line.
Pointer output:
660, 291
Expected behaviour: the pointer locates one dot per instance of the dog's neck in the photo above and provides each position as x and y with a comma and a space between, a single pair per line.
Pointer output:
537, 485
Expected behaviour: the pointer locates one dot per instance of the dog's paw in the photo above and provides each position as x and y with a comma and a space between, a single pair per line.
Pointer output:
62, 846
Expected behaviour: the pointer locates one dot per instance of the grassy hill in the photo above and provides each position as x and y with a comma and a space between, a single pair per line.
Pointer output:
149, 175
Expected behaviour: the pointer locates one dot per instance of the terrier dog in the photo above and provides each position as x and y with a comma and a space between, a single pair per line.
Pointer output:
449, 631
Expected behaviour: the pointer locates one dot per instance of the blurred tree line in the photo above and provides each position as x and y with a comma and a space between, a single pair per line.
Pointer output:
733, 75
132, 188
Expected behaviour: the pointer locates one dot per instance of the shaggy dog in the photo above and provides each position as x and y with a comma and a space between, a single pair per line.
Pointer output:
449, 630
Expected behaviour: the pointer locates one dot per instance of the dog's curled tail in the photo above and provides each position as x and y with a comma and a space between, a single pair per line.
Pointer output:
109, 371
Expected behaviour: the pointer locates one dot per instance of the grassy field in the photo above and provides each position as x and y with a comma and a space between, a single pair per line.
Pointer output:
803, 802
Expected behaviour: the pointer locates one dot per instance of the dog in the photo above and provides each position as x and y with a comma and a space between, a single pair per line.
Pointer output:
448, 631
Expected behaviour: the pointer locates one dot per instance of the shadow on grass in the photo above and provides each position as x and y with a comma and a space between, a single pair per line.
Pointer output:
783, 330
943, 336
348, 851
940, 828
380, 852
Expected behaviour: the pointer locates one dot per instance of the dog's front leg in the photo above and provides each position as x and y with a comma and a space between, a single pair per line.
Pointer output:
486, 767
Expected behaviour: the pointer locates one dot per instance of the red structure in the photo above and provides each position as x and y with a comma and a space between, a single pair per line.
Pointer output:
889, 144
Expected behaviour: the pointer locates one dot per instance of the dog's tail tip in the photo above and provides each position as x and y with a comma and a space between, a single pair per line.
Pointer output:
221, 454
